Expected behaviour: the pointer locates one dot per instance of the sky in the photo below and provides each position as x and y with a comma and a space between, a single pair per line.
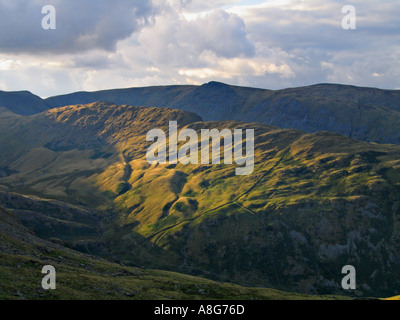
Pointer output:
272, 44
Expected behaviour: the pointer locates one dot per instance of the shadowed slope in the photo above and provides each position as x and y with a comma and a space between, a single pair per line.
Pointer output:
314, 203
81, 276
366, 114
22, 102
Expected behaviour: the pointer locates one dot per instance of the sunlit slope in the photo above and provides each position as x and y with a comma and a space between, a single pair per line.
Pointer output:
314, 203
54, 153
393, 298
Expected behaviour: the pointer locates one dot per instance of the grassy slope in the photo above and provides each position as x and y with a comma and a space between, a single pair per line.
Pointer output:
80, 276
314, 202
309, 196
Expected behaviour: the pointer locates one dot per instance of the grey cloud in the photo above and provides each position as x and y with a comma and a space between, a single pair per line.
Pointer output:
306, 38
81, 25
178, 42
320, 25
319, 50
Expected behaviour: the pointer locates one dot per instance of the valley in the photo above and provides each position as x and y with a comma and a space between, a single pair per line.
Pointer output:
84, 277
77, 176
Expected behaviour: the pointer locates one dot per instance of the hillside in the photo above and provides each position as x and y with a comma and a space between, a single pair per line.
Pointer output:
22, 102
366, 114
314, 203
80, 276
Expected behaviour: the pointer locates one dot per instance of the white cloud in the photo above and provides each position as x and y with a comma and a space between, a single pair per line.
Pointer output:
272, 44
9, 64
174, 40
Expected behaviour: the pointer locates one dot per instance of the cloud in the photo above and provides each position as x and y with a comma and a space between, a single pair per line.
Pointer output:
197, 6
307, 36
80, 25
273, 44
237, 67
174, 40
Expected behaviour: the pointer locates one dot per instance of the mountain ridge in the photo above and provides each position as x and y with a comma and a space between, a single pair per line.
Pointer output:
22, 102
366, 114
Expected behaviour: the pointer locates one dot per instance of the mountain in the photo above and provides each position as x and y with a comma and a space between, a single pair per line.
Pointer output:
314, 203
366, 114
81, 276
22, 102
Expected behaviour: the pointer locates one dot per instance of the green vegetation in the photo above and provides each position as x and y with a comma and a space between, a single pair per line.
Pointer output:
314, 203
83, 277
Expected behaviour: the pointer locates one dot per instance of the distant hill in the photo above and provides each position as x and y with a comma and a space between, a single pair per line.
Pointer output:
22, 102
366, 114
315, 202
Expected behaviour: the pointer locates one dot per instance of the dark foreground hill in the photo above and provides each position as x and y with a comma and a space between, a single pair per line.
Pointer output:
84, 277
314, 203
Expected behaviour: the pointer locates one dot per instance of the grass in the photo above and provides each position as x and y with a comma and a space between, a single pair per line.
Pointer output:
322, 185
83, 277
